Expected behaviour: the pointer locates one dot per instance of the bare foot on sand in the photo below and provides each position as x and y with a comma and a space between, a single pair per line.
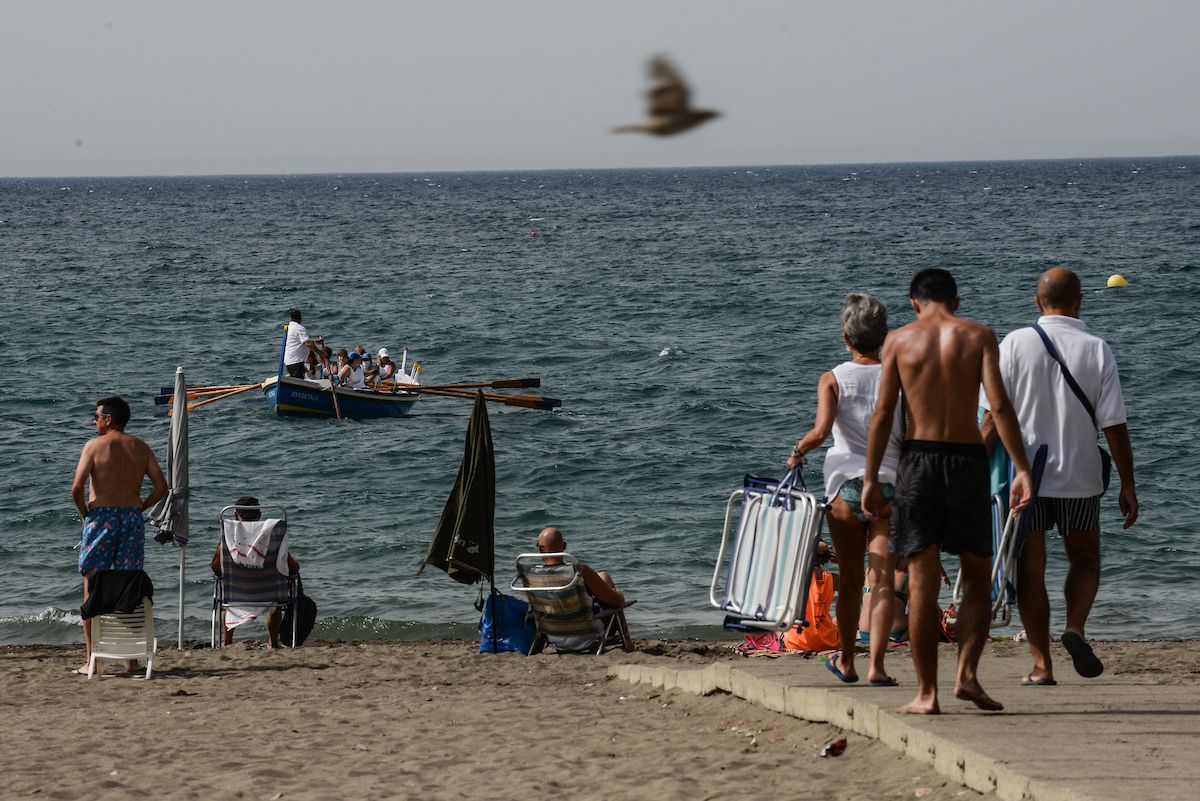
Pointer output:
920, 706
975, 694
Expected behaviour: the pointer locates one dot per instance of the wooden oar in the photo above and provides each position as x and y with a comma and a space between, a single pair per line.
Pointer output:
521, 401
337, 410
169, 398
194, 406
202, 388
501, 383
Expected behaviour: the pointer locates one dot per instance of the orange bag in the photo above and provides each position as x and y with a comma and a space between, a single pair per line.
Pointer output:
821, 634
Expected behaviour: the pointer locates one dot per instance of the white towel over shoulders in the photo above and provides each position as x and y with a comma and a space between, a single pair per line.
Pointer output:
248, 540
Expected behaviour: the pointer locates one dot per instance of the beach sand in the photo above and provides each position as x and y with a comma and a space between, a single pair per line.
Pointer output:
428, 720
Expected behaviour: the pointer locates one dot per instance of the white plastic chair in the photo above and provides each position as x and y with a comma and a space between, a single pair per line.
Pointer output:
124, 636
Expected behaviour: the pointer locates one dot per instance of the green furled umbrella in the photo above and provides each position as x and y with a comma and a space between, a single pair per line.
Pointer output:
464, 542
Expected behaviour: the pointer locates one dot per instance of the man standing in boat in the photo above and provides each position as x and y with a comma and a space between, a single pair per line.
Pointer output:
298, 345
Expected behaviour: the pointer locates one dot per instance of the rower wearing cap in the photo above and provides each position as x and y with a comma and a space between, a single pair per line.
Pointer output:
387, 367
351, 375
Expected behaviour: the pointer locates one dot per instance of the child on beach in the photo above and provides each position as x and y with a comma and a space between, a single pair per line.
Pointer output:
845, 401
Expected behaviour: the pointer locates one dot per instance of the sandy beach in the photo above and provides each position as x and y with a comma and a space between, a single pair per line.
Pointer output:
430, 720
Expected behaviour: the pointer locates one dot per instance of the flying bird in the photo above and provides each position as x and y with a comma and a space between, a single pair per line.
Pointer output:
669, 112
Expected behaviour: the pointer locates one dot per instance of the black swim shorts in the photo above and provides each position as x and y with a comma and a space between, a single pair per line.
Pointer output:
942, 498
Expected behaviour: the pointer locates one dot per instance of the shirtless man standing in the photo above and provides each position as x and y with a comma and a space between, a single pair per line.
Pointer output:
114, 463
942, 488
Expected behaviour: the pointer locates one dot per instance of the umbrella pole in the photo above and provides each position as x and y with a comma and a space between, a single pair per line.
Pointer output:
495, 622
182, 572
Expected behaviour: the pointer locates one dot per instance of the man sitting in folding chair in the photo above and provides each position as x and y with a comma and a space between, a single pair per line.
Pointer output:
253, 571
552, 590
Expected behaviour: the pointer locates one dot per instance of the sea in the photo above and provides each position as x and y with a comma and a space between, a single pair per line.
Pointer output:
683, 317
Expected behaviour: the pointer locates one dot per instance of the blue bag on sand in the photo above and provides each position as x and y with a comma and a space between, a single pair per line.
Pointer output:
505, 625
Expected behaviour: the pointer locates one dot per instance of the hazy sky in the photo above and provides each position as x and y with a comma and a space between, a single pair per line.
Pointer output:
266, 86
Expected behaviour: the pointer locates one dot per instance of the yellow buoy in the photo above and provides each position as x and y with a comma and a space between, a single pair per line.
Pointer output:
1117, 280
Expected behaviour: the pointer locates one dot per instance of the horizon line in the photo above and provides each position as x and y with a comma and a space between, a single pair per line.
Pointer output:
160, 176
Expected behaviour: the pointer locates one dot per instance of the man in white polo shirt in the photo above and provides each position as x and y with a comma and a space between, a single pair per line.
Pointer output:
296, 349
1052, 413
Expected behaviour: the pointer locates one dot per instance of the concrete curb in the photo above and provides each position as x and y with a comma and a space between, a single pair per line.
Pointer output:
968, 767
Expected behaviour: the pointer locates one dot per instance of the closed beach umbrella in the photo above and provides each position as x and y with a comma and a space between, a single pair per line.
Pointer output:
170, 515
464, 541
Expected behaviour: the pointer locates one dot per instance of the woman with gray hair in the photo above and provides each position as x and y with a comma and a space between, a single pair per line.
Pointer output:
845, 401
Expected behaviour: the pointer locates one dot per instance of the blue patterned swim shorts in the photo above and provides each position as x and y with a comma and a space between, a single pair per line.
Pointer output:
114, 538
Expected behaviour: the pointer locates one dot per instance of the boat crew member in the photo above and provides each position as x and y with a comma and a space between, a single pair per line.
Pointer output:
297, 346
351, 374
312, 367
387, 368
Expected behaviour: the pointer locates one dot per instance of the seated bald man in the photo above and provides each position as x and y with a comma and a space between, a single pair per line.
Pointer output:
600, 585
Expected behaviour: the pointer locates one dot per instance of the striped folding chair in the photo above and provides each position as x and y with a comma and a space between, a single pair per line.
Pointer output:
244, 587
1009, 531
763, 580
565, 614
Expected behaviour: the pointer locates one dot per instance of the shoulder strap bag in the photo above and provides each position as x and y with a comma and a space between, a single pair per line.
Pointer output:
1105, 459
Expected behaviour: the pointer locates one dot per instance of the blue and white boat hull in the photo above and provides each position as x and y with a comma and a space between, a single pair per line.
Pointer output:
298, 396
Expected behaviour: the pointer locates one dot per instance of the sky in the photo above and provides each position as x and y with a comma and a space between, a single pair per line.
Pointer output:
127, 87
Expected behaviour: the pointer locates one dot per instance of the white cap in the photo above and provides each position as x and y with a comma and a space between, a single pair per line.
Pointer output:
383, 353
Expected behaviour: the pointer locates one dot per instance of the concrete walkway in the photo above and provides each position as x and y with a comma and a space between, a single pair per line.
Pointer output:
1133, 734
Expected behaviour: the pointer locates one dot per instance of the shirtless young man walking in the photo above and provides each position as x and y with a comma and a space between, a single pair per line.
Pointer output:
114, 463
942, 488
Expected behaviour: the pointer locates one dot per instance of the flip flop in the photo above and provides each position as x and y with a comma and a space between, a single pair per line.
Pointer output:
842, 677
1086, 662
890, 681
1030, 681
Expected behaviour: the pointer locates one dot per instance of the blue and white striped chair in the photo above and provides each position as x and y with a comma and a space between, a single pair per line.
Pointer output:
762, 581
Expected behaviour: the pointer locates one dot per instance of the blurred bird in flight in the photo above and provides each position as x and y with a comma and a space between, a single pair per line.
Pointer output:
669, 112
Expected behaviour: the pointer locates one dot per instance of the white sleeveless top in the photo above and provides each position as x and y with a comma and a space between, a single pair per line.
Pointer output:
355, 379
858, 389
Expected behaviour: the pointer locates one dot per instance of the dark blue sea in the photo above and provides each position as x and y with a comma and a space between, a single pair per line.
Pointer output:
683, 317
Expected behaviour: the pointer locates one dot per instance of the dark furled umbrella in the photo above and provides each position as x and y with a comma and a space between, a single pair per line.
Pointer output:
464, 541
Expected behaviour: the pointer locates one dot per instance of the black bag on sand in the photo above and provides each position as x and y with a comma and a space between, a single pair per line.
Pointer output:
305, 613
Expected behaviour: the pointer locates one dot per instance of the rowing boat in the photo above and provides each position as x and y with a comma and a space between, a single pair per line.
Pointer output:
302, 397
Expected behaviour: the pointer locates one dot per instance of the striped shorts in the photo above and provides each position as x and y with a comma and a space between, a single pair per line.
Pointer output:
1068, 514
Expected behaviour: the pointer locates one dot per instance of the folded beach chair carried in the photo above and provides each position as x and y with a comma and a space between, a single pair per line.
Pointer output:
564, 612
122, 615
254, 576
1009, 532
763, 580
